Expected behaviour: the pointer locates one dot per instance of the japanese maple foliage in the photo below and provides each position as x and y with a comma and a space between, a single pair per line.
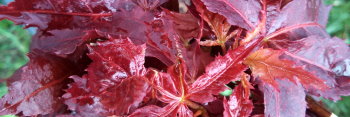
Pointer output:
148, 58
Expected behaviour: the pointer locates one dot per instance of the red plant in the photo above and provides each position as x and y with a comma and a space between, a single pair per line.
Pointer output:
145, 58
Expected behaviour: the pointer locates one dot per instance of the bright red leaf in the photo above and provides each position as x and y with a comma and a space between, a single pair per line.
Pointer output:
113, 80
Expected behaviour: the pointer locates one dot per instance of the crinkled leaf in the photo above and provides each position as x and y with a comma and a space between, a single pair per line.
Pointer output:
37, 87
78, 96
113, 80
64, 22
59, 23
267, 66
172, 89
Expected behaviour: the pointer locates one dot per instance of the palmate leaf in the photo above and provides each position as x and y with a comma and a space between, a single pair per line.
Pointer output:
280, 80
172, 90
326, 57
276, 13
275, 22
267, 66
178, 94
162, 70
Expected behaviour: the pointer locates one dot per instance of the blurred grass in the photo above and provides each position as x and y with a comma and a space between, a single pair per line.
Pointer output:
14, 44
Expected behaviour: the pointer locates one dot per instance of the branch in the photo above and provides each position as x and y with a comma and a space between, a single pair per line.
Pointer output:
318, 109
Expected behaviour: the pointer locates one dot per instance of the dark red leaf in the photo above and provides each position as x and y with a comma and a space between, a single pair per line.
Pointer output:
196, 60
173, 90
217, 23
293, 53
242, 13
172, 109
239, 105
185, 24
114, 79
37, 87
67, 21
220, 72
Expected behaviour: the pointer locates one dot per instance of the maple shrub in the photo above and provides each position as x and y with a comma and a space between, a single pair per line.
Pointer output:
151, 58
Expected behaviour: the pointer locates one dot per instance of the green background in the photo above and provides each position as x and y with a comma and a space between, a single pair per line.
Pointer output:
14, 44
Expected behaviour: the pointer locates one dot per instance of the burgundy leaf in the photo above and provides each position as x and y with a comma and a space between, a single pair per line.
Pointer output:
113, 80
78, 95
37, 87
145, 58
242, 13
305, 18
170, 110
288, 102
196, 60
326, 57
67, 21
173, 90
217, 23
59, 23
267, 66
220, 72
239, 105
185, 24
161, 40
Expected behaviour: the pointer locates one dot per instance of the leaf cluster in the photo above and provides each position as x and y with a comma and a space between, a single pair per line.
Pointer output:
146, 58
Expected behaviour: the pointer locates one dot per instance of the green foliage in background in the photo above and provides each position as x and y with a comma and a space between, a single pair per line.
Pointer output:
340, 108
339, 25
339, 19
14, 44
